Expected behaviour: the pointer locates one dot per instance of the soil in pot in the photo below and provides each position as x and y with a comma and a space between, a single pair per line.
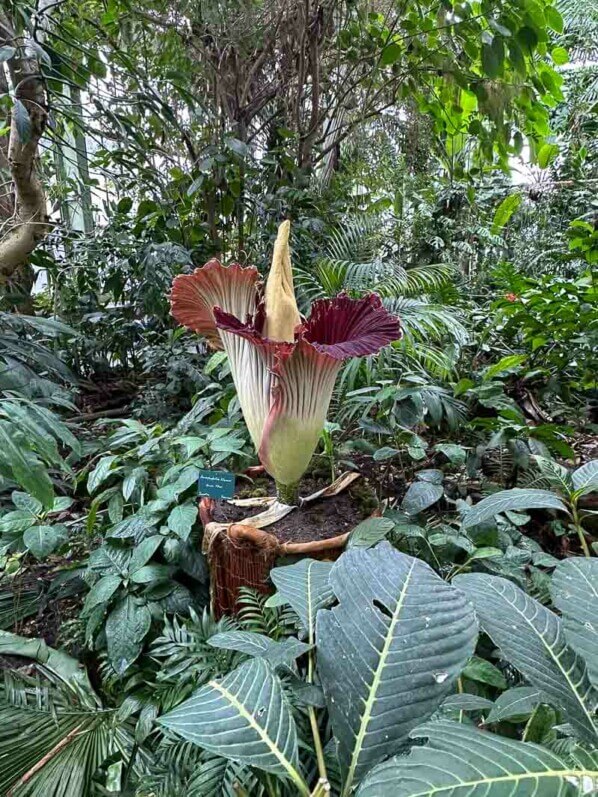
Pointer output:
320, 520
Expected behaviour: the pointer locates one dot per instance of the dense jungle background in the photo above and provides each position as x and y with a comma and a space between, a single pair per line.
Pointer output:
442, 153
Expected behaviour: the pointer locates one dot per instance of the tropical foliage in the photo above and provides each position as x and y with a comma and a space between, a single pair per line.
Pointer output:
437, 334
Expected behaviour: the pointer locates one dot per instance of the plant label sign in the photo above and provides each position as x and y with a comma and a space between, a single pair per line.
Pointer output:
216, 484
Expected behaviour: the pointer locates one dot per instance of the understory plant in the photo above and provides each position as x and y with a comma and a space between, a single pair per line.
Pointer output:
284, 368
329, 687
383, 659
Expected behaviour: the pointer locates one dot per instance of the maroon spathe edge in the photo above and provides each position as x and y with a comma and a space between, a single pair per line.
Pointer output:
343, 327
339, 328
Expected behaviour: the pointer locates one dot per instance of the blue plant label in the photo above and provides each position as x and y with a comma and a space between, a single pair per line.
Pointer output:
216, 484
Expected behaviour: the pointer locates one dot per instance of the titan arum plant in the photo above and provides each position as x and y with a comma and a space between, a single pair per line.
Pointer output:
284, 367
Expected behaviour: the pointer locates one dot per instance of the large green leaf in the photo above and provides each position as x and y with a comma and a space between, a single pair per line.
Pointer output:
586, 477
574, 591
57, 662
389, 653
100, 473
260, 646
531, 637
515, 704
460, 761
181, 520
42, 540
101, 592
370, 532
25, 469
245, 717
509, 500
305, 586
504, 211
420, 496
126, 626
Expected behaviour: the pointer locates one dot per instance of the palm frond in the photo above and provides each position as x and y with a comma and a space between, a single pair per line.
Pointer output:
414, 281
255, 615
53, 739
184, 653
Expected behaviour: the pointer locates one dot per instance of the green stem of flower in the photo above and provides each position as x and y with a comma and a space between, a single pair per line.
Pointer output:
288, 493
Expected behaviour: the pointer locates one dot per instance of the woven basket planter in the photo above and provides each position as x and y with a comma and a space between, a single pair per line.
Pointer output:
242, 555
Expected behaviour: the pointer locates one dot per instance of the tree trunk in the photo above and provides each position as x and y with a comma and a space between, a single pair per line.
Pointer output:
28, 224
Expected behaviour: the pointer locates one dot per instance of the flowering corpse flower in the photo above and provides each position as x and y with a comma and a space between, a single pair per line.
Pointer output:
284, 369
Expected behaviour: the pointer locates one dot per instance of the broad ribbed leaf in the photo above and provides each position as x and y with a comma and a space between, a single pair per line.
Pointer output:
504, 212
466, 702
515, 704
420, 496
260, 646
586, 477
532, 638
244, 717
460, 761
126, 627
100, 473
509, 500
574, 591
42, 540
389, 653
181, 520
306, 588
370, 532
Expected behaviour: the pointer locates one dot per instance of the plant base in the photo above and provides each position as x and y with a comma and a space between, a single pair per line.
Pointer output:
288, 493
241, 554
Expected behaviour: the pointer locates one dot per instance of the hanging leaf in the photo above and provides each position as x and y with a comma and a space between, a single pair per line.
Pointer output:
559, 55
126, 627
509, 363
503, 213
181, 520
26, 470
531, 638
509, 500
133, 480
461, 760
22, 121
546, 154
492, 58
574, 590
306, 588
100, 473
586, 477
389, 653
245, 717
101, 592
